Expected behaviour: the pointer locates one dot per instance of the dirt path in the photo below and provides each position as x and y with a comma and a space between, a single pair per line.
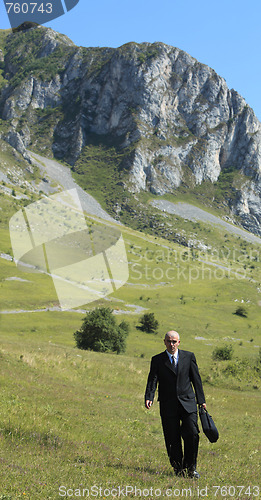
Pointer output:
62, 176
193, 213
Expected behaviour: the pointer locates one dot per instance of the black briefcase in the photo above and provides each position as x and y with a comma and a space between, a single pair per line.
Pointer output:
208, 425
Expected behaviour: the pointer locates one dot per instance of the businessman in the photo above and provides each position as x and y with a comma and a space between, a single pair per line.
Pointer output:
175, 371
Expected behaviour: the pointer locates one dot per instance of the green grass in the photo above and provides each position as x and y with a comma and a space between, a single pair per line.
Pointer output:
103, 161
76, 418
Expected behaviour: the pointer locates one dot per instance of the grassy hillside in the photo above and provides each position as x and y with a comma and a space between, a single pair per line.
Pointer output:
76, 418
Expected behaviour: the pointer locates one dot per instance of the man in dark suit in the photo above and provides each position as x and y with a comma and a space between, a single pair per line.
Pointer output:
175, 372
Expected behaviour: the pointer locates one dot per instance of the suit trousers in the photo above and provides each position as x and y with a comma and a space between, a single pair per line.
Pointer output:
177, 423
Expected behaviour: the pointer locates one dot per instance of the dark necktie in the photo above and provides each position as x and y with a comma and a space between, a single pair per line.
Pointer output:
174, 362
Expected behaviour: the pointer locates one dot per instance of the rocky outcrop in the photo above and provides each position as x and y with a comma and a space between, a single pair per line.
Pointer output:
175, 116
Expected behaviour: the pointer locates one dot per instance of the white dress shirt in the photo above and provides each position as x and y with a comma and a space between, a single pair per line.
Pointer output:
175, 356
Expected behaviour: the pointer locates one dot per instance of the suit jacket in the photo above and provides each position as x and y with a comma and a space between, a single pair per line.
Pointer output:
174, 388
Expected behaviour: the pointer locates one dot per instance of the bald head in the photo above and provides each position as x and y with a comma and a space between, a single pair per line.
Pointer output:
172, 341
172, 333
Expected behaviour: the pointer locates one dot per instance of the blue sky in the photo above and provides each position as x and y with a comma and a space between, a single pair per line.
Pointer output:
225, 35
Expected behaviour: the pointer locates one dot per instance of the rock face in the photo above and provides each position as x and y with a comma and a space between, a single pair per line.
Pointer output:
175, 117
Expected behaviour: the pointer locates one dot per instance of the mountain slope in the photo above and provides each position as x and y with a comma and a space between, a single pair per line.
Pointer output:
143, 117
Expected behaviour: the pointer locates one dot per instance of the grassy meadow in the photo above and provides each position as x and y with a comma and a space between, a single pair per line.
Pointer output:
75, 420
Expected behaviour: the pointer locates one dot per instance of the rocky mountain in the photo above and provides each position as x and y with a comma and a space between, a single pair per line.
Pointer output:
150, 115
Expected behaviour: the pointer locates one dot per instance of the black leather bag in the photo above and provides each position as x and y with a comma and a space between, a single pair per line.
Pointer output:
208, 425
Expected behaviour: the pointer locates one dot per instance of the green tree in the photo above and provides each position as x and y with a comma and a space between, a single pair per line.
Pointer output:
100, 332
148, 323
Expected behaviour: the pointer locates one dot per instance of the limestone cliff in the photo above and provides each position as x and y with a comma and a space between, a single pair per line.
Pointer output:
172, 120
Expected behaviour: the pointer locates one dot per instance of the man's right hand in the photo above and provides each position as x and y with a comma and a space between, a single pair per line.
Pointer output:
148, 404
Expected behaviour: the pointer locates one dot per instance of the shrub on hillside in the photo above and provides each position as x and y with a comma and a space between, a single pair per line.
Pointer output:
100, 332
241, 311
222, 353
247, 369
148, 323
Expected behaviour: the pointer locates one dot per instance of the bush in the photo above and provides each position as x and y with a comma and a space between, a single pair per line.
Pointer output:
241, 311
100, 332
223, 353
148, 323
